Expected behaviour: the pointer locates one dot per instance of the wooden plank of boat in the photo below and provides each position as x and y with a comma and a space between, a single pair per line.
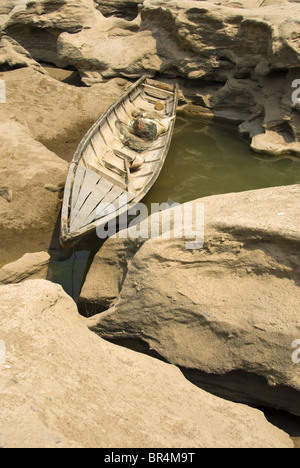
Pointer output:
100, 191
113, 195
156, 92
100, 173
91, 179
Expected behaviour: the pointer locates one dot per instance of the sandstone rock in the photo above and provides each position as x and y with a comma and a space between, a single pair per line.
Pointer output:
127, 9
105, 277
57, 115
228, 309
249, 35
37, 25
30, 266
224, 38
62, 386
241, 47
13, 55
118, 56
7, 6
235, 100
235, 43
26, 166
272, 142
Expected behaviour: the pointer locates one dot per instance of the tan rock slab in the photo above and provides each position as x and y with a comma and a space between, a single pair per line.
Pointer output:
62, 386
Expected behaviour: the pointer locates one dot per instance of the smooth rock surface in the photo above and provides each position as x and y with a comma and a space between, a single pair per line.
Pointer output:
13, 55
26, 167
62, 386
30, 266
105, 277
228, 309
56, 114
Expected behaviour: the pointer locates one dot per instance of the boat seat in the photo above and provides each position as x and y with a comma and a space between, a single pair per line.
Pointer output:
123, 156
160, 85
116, 179
114, 168
156, 92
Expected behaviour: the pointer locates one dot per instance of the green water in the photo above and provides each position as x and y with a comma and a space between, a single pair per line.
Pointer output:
209, 159
204, 159
71, 271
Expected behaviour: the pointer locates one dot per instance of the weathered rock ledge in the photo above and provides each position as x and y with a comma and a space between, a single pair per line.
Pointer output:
33, 266
228, 310
62, 386
239, 59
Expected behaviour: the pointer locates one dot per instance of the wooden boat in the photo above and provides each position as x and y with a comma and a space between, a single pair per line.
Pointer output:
100, 172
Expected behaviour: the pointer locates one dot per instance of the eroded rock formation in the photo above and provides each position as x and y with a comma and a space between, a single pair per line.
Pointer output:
250, 50
62, 386
228, 309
